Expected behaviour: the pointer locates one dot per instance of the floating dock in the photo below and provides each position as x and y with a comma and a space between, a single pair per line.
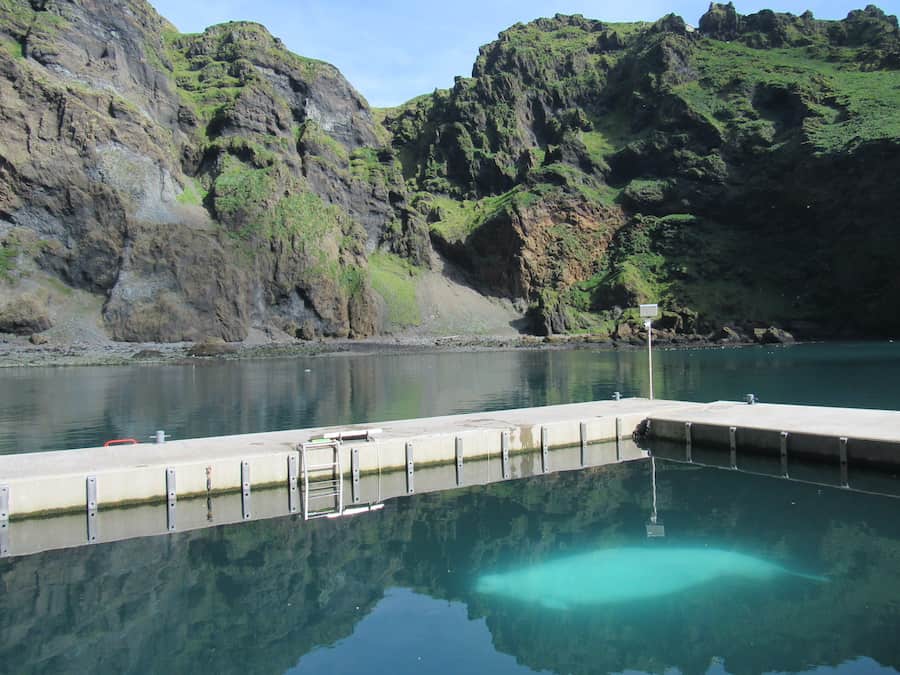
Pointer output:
262, 475
46, 483
836, 435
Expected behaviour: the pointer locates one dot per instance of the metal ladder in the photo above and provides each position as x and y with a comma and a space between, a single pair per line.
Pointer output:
323, 478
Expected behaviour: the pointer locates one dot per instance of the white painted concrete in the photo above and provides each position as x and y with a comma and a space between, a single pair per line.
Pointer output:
851, 422
812, 432
41, 483
32, 535
48, 482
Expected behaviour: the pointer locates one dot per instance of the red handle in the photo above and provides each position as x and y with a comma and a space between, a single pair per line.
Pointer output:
120, 441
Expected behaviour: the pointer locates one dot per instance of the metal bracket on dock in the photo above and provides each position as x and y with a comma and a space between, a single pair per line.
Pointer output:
845, 479
4, 521
732, 444
784, 453
504, 454
4, 505
293, 476
618, 438
582, 435
410, 469
170, 499
354, 475
245, 490
545, 450
91, 495
688, 450
460, 479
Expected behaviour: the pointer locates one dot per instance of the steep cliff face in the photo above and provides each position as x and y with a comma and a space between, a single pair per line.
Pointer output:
203, 184
742, 174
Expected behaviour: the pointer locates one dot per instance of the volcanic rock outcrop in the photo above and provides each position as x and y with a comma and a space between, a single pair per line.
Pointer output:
742, 173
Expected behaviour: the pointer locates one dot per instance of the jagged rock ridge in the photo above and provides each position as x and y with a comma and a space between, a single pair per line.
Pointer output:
742, 173
737, 183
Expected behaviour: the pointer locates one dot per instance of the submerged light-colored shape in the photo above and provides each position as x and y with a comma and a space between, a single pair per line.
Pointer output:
617, 575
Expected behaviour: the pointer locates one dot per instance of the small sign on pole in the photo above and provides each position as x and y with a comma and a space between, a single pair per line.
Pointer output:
648, 313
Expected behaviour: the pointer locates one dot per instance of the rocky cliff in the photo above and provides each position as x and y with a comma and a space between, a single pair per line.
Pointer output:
202, 184
742, 174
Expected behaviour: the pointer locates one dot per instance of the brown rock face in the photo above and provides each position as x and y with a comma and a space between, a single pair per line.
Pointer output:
535, 250
547, 245
25, 315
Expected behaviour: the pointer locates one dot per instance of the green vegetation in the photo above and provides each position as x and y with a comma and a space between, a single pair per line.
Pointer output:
597, 144
204, 83
8, 254
637, 271
245, 198
575, 179
193, 194
12, 47
377, 166
352, 280
610, 132
456, 220
682, 261
553, 41
394, 279
304, 219
249, 151
212, 68
318, 140
26, 20
240, 193
842, 103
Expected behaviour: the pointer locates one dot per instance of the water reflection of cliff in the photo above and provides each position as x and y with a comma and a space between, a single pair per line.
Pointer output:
257, 597
43, 409
53, 408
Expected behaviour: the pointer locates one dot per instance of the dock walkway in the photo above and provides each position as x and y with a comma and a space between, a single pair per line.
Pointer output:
44, 483
53, 482
212, 479
841, 435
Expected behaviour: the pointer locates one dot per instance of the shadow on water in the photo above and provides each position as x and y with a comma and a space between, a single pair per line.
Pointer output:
728, 584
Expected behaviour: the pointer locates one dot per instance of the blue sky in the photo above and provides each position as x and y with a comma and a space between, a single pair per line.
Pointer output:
393, 51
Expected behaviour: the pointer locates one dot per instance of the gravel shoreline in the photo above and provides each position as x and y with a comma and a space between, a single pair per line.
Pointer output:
18, 352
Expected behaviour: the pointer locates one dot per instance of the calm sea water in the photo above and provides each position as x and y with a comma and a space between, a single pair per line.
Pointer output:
547, 574
57, 408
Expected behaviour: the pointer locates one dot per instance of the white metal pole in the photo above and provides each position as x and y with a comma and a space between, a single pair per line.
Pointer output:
650, 353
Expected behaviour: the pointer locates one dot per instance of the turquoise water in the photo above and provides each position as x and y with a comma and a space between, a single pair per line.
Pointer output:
55, 408
546, 574
623, 574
